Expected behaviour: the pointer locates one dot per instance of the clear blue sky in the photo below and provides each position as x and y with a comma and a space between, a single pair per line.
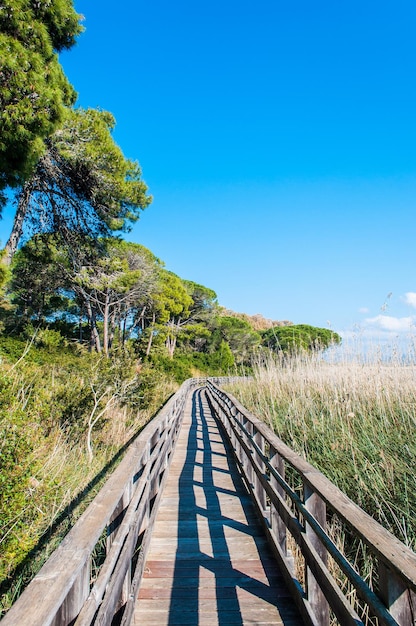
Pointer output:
278, 140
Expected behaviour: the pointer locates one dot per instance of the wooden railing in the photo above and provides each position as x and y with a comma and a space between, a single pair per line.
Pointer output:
94, 574
70, 588
305, 516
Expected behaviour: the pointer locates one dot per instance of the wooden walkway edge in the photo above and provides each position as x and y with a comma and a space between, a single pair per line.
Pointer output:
208, 563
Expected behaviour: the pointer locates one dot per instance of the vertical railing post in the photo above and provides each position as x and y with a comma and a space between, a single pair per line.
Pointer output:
146, 507
232, 423
74, 601
112, 530
258, 485
248, 461
231, 412
398, 598
276, 522
316, 507
239, 451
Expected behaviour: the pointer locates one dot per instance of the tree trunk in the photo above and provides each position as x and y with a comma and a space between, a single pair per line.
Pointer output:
106, 323
17, 229
172, 346
172, 336
149, 343
95, 337
114, 317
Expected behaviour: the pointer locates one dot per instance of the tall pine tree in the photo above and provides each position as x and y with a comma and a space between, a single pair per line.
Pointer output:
34, 90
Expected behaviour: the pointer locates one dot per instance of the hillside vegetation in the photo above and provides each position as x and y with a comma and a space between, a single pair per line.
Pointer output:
65, 417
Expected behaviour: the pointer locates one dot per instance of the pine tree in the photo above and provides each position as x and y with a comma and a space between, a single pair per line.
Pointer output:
34, 90
82, 185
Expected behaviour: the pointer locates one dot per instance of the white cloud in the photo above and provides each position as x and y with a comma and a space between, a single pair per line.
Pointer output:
410, 298
394, 324
363, 309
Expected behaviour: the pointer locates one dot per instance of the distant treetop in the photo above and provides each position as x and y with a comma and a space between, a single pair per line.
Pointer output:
256, 321
299, 337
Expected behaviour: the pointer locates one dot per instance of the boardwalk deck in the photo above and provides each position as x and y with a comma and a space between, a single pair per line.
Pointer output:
208, 562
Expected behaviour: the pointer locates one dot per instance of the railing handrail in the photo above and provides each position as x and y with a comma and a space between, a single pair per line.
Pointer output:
254, 444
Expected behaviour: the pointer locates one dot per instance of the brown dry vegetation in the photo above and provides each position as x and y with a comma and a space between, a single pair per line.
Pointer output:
354, 421
256, 321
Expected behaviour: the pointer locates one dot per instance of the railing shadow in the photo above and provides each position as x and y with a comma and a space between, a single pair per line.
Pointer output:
205, 572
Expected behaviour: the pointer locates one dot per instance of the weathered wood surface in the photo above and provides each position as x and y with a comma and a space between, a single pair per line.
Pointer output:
62, 592
297, 510
208, 561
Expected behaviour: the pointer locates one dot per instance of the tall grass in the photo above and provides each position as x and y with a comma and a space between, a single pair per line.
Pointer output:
47, 475
353, 420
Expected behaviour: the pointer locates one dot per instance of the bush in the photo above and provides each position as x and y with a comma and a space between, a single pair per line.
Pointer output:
46, 400
299, 337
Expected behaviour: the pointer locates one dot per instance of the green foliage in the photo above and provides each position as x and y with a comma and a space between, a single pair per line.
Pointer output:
238, 334
37, 277
204, 300
4, 271
19, 437
60, 19
190, 364
291, 339
173, 297
50, 339
11, 347
223, 358
194, 337
33, 88
4, 279
179, 368
46, 404
93, 167
115, 281
82, 187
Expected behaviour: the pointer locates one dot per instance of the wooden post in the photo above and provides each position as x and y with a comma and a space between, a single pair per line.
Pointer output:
112, 530
277, 524
398, 598
241, 452
75, 598
316, 506
258, 487
241, 455
249, 467
231, 434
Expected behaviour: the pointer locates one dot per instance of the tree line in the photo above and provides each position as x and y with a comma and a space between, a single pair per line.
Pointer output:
65, 265
108, 293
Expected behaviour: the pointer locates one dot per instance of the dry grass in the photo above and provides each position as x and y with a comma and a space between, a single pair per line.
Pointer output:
63, 481
355, 421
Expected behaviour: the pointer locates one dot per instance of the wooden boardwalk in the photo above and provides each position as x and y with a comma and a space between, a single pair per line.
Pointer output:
208, 563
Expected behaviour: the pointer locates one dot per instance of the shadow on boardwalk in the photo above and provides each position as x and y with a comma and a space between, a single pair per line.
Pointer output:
224, 572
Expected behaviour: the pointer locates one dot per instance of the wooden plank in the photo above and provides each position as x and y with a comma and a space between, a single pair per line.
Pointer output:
63, 573
386, 546
208, 561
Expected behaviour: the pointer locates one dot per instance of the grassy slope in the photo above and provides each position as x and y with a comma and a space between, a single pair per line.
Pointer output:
46, 474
